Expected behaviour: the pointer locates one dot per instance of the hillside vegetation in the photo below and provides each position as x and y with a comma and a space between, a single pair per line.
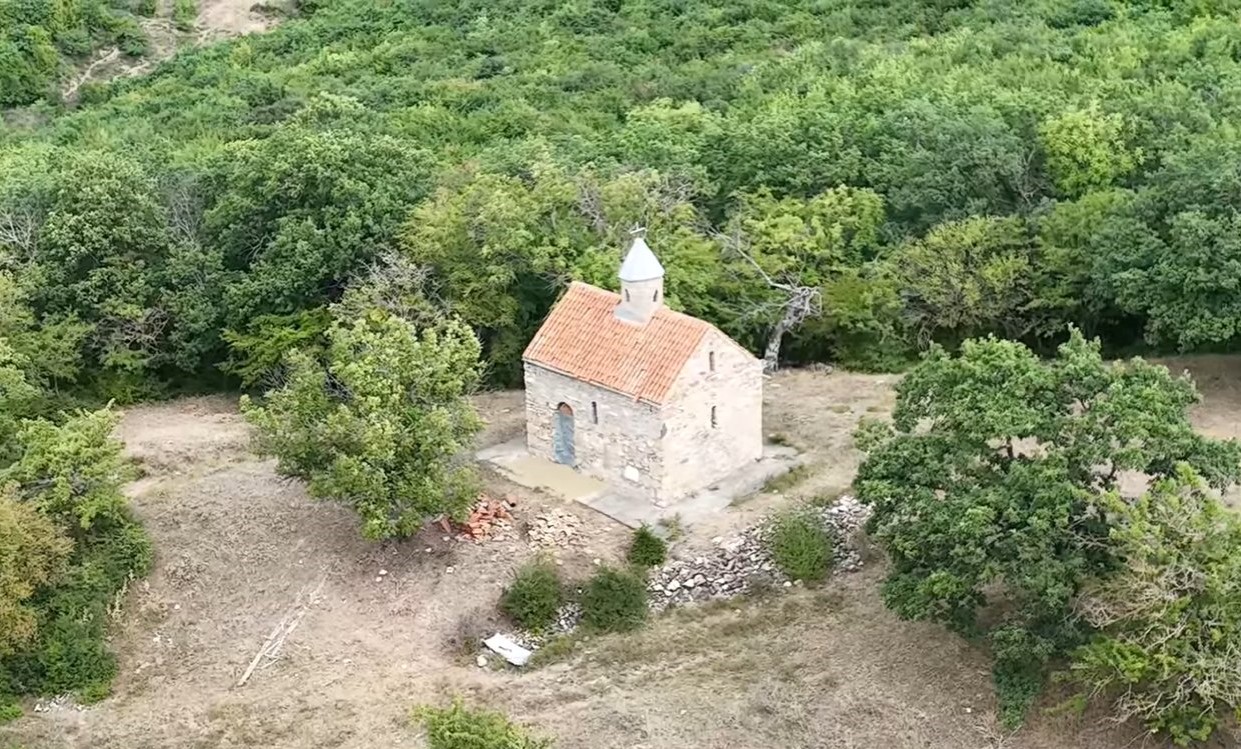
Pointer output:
39, 39
921, 170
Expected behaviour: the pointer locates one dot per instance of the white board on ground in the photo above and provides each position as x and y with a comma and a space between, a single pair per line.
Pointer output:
510, 651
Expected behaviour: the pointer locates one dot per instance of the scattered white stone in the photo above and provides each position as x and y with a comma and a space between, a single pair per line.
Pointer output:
555, 529
383, 572
506, 648
738, 564
631, 474
481, 661
450, 569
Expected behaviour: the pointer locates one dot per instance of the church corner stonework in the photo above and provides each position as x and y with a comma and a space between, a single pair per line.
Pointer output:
684, 409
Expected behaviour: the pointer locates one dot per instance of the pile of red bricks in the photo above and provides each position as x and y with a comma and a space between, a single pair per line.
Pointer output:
489, 518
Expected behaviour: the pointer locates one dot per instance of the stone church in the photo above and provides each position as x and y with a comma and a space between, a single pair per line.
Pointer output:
628, 391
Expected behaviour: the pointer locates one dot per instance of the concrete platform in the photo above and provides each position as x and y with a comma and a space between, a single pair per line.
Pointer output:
622, 504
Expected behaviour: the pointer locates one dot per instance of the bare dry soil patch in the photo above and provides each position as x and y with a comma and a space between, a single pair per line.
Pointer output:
238, 547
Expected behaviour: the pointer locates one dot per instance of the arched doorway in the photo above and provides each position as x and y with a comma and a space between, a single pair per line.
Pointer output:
562, 438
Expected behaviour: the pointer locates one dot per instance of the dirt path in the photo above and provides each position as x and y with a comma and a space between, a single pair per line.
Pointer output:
236, 545
216, 20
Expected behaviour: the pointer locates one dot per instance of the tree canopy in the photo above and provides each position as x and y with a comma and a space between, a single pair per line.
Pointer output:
930, 171
996, 495
380, 422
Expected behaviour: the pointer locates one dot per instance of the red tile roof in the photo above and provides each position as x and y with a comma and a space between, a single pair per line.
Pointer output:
583, 338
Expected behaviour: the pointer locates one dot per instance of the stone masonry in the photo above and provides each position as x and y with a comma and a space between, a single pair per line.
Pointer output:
721, 380
640, 396
621, 447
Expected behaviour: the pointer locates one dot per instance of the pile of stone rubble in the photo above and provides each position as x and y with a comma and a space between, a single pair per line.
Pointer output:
741, 564
733, 567
60, 702
554, 529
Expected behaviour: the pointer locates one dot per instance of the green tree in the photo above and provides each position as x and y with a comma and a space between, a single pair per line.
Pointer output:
380, 423
989, 489
18, 397
967, 278
72, 471
1086, 150
33, 553
1092, 254
1192, 290
1169, 623
296, 214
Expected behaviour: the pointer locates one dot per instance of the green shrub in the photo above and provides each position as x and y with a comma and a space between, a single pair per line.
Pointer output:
71, 653
74, 42
531, 601
185, 14
614, 601
647, 549
799, 546
458, 727
131, 38
9, 711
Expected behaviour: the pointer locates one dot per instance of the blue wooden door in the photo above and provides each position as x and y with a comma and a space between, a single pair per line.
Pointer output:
562, 439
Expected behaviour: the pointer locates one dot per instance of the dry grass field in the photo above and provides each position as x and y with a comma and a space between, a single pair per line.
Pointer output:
237, 545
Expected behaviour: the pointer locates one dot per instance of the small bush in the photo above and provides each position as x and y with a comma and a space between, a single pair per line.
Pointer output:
74, 42
8, 712
458, 727
647, 549
799, 546
614, 601
185, 14
673, 527
531, 601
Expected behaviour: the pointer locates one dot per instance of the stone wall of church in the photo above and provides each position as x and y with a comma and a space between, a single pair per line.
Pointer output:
714, 417
616, 438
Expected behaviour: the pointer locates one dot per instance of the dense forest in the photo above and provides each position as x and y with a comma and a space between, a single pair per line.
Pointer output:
927, 170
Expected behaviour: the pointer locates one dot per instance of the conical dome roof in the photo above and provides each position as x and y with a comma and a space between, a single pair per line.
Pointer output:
640, 264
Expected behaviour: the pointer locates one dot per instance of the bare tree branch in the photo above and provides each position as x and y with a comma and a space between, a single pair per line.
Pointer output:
798, 304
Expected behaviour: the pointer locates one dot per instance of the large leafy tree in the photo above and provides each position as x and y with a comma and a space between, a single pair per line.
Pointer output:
967, 278
289, 218
988, 489
380, 422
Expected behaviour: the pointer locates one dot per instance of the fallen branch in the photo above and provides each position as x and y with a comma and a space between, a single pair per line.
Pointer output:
275, 640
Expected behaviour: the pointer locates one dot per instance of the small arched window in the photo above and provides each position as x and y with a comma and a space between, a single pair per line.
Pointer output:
655, 296
711, 360
714, 422
594, 412
626, 295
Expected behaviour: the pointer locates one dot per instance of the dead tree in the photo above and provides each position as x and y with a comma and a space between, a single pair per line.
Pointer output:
20, 223
797, 302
